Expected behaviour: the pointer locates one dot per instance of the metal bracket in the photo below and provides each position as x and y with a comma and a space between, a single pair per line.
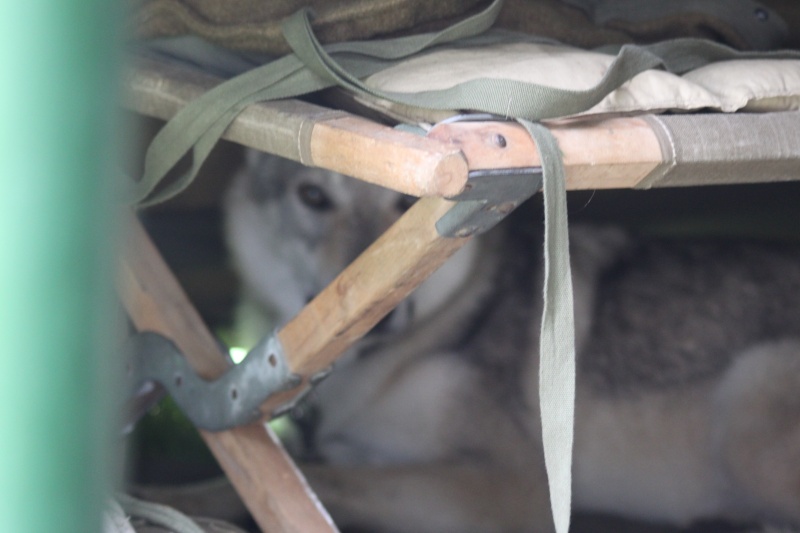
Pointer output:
231, 400
313, 381
489, 195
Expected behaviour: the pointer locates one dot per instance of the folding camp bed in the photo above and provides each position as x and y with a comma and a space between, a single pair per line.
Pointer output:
482, 161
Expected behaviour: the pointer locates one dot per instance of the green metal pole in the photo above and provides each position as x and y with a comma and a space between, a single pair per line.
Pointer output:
57, 92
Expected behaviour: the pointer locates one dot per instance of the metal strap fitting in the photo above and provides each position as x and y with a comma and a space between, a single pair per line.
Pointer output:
489, 195
231, 400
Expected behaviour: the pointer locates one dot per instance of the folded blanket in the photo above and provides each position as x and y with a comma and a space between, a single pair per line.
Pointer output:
254, 25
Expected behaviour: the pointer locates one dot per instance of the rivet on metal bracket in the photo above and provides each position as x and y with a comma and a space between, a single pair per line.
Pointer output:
231, 400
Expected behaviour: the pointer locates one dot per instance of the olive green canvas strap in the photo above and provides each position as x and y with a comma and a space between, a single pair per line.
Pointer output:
160, 515
196, 128
557, 333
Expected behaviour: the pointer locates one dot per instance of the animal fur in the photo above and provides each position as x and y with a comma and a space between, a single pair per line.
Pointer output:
688, 402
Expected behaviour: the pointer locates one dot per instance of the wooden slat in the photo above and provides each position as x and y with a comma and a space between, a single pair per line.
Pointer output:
370, 287
350, 306
598, 154
255, 462
401, 161
337, 141
388, 271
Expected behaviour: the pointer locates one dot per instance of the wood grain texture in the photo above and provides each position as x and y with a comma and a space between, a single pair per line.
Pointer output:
388, 271
267, 480
598, 154
309, 133
253, 459
417, 165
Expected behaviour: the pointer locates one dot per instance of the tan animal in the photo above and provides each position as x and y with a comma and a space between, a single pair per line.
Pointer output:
688, 386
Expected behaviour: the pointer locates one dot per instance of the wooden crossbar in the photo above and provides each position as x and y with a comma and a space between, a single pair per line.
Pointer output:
259, 468
270, 485
310, 134
598, 153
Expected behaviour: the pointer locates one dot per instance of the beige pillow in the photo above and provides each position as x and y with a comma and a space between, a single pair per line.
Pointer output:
751, 85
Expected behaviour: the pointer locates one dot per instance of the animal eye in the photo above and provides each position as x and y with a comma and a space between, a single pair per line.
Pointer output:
405, 202
314, 197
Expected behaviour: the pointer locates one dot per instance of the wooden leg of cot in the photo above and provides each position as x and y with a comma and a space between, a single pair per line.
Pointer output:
253, 459
256, 464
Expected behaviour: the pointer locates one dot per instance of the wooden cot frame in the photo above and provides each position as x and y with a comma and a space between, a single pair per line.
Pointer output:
599, 154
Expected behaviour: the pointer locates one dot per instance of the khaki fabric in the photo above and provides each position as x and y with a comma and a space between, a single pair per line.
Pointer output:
592, 23
712, 149
743, 24
254, 25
